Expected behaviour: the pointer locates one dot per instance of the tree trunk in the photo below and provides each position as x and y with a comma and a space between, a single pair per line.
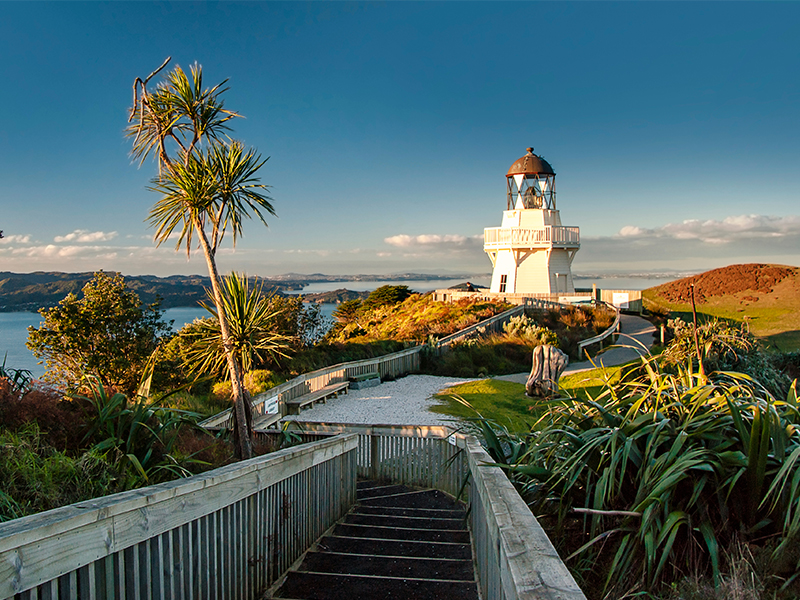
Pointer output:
242, 410
548, 364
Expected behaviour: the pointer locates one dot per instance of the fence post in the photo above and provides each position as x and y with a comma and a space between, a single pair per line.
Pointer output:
374, 458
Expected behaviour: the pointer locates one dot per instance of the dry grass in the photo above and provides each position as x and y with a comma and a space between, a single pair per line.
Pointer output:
741, 582
773, 313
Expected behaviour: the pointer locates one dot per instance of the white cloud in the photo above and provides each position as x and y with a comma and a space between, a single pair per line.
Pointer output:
16, 239
432, 240
695, 244
729, 230
84, 235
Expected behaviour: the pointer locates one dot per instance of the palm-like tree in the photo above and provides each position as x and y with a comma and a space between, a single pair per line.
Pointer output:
251, 319
207, 183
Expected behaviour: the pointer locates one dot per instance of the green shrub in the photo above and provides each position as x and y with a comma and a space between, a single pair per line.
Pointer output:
661, 473
255, 382
138, 434
527, 329
37, 477
414, 319
726, 347
480, 357
261, 380
385, 295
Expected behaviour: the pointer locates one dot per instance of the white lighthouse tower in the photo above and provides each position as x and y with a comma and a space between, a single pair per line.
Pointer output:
531, 252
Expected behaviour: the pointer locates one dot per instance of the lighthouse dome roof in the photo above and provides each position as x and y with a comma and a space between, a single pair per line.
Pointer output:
530, 164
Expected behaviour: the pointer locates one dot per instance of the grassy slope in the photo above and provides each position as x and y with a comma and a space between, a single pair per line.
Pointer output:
774, 317
506, 403
417, 317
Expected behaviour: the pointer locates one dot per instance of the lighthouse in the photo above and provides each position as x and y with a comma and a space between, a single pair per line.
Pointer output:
531, 251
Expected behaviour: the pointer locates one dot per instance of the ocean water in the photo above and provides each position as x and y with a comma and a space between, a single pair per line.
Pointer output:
621, 283
14, 325
14, 333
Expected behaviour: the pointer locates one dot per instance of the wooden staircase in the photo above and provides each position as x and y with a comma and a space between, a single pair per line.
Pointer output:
397, 542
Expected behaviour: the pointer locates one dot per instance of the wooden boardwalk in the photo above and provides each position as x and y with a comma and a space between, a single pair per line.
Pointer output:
396, 542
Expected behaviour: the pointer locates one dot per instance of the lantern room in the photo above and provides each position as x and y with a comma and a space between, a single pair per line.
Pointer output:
531, 183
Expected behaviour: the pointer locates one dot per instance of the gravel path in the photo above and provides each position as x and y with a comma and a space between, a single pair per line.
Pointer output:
406, 400
401, 402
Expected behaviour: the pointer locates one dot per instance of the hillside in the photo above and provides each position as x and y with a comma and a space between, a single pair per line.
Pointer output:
32, 291
766, 296
335, 296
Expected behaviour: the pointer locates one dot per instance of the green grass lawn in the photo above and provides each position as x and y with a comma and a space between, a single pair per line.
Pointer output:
501, 401
505, 402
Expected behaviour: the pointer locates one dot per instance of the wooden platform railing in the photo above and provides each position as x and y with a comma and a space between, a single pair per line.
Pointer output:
422, 455
514, 558
232, 532
228, 533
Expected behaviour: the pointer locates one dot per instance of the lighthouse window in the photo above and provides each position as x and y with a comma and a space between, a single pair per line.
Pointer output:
503, 282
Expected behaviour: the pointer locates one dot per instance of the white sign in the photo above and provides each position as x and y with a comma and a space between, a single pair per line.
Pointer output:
272, 406
620, 299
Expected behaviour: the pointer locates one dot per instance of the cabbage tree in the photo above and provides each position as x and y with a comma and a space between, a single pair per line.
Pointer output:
207, 183
251, 318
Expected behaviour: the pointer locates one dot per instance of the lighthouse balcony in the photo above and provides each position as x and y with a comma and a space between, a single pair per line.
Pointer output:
495, 238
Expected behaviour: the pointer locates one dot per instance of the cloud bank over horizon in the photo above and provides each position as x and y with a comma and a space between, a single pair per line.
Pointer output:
687, 245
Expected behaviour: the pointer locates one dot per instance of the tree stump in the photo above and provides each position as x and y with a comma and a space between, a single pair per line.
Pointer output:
548, 364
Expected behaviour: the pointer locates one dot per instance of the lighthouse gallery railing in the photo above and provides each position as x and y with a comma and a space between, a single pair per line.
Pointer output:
513, 236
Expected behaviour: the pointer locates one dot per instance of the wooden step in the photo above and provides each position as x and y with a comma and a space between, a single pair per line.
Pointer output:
388, 566
396, 533
405, 522
324, 586
398, 542
383, 547
412, 499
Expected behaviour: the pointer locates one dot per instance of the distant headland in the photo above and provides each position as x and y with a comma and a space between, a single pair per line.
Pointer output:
40, 289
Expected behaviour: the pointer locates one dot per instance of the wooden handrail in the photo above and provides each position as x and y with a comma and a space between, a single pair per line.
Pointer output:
602, 336
222, 517
472, 329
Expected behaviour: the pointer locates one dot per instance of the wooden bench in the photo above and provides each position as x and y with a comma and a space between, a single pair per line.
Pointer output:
295, 405
366, 380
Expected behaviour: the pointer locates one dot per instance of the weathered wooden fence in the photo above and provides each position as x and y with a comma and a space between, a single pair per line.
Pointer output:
514, 558
491, 325
232, 532
422, 455
225, 534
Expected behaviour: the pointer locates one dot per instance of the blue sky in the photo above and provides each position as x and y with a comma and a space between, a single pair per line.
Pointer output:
673, 128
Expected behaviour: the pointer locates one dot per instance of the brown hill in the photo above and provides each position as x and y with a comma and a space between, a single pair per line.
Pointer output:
754, 277
767, 297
